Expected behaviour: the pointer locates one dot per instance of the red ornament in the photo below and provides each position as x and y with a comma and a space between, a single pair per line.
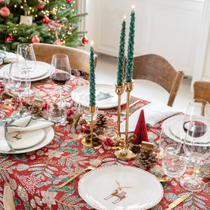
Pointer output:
9, 38
108, 141
58, 42
4, 12
41, 5
17, 100
35, 39
2, 1
84, 127
85, 40
68, 1
45, 20
141, 130
44, 106
70, 112
1, 90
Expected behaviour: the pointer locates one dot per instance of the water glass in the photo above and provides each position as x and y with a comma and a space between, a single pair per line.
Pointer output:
173, 165
56, 112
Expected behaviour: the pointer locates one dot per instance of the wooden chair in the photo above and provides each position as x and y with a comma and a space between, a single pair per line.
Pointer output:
79, 59
202, 90
157, 69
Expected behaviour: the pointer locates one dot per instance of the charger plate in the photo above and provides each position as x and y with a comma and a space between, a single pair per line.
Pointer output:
41, 71
105, 96
119, 188
25, 139
49, 135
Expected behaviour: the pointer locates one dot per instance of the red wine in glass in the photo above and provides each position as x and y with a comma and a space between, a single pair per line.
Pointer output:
197, 128
60, 78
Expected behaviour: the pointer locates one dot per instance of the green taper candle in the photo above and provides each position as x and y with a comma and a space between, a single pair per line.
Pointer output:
129, 61
121, 55
92, 102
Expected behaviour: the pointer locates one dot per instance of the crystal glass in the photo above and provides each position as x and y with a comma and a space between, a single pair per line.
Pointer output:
172, 143
173, 165
56, 112
60, 70
25, 52
19, 82
5, 80
196, 141
3, 55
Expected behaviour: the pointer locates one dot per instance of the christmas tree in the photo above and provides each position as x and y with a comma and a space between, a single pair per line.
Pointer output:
47, 21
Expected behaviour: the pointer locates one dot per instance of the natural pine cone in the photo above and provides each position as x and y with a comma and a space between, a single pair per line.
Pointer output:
70, 119
37, 112
85, 75
75, 72
101, 121
147, 159
82, 121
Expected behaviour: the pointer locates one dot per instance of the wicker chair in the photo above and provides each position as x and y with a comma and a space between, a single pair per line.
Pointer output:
79, 59
202, 90
157, 69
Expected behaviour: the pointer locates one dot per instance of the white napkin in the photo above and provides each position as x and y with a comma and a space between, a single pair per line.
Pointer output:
153, 113
23, 124
11, 57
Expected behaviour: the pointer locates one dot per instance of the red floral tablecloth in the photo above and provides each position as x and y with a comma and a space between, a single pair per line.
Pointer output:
34, 177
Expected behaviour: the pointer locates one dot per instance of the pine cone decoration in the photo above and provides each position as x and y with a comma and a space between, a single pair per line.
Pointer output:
82, 121
70, 119
147, 159
37, 112
85, 75
75, 72
101, 121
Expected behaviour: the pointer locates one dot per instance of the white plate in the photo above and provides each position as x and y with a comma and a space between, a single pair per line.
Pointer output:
139, 188
82, 94
49, 135
25, 139
42, 68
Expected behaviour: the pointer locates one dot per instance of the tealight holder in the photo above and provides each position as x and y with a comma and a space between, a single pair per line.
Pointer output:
125, 153
91, 140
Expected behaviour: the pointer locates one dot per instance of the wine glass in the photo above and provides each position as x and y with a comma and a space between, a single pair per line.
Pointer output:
196, 141
19, 83
60, 71
25, 52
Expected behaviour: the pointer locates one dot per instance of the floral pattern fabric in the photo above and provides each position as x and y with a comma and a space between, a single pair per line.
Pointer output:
34, 177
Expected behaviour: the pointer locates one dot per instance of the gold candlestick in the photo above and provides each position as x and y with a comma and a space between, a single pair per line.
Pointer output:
88, 140
126, 154
119, 90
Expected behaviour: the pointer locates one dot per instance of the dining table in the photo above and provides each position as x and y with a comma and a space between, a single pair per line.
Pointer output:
34, 177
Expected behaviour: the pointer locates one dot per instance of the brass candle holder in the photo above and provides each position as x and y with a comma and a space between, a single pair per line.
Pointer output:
91, 140
125, 153
119, 90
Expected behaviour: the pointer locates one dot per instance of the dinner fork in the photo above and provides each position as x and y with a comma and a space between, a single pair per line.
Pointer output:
124, 111
94, 165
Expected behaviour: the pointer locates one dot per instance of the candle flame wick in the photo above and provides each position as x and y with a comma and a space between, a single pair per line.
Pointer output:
91, 43
124, 17
133, 6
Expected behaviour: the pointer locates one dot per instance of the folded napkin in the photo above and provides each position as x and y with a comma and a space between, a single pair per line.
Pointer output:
141, 130
22, 124
11, 57
154, 113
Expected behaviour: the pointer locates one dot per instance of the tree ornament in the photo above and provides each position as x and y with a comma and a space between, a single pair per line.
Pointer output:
85, 40
4, 12
147, 159
108, 141
45, 20
35, 39
9, 38
2, 1
41, 5
69, 112
68, 1
101, 121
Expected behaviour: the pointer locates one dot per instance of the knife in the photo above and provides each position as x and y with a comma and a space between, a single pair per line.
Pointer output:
177, 202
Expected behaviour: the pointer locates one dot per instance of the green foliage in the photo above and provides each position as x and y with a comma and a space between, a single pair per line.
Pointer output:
92, 102
129, 63
121, 55
66, 30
